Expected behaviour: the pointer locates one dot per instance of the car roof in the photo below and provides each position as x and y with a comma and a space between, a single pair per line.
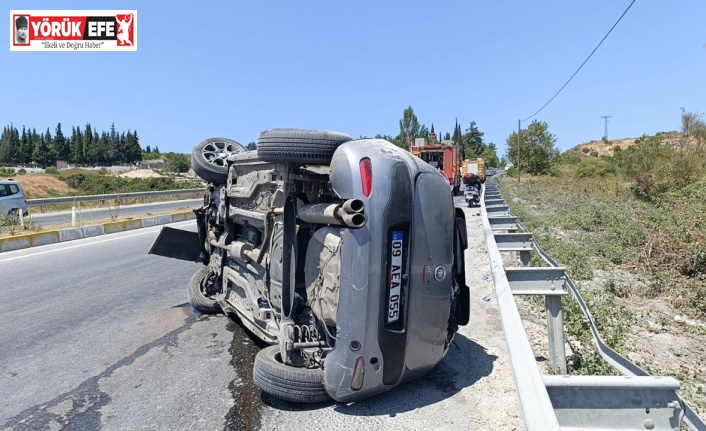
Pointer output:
9, 180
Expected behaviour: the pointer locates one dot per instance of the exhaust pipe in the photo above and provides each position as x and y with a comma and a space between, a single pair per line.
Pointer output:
354, 220
349, 213
353, 206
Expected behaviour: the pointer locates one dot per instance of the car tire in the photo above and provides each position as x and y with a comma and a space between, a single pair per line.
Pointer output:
208, 158
303, 146
201, 301
300, 385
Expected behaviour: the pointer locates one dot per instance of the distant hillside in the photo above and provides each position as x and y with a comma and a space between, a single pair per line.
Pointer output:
607, 148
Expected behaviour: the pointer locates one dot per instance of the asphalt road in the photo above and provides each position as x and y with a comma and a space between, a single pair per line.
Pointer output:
86, 216
96, 334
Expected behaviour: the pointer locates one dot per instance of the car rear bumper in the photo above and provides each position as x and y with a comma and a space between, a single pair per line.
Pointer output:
382, 340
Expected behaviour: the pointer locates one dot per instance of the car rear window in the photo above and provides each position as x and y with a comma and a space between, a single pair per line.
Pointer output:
8, 189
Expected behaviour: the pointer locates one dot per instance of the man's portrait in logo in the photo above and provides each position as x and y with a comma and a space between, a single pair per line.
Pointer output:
21, 33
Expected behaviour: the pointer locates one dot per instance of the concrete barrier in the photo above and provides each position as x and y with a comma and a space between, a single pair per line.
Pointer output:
55, 236
44, 238
156, 220
15, 243
94, 230
182, 216
70, 234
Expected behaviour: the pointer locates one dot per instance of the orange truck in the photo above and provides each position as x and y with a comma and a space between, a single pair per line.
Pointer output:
475, 167
443, 156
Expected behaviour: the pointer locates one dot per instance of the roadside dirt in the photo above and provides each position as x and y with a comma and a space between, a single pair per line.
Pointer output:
657, 337
140, 173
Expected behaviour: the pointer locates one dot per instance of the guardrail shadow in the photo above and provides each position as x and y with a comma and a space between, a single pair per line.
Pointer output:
465, 363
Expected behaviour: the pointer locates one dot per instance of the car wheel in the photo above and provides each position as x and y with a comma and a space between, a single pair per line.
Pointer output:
202, 290
301, 385
306, 147
208, 159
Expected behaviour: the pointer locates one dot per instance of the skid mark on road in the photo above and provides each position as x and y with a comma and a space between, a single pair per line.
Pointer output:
79, 408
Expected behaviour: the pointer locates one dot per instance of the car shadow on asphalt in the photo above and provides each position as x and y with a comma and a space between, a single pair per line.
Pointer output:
465, 363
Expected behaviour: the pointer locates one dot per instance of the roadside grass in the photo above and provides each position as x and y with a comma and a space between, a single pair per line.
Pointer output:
598, 224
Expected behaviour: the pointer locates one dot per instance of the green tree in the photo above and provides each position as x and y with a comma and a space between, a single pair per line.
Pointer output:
693, 130
63, 152
491, 159
252, 146
42, 150
25, 149
472, 142
409, 128
6, 144
87, 151
133, 151
536, 145
114, 150
76, 145
458, 135
177, 163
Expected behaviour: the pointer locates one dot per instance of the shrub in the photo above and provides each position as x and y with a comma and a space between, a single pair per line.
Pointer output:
51, 170
6, 172
93, 183
656, 169
593, 168
22, 171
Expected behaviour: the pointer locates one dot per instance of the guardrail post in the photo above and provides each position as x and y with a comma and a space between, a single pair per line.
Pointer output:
555, 326
525, 257
550, 282
503, 223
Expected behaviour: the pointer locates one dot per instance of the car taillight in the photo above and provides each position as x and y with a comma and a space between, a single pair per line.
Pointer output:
366, 176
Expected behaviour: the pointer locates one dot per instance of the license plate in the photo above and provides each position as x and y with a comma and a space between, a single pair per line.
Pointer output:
395, 280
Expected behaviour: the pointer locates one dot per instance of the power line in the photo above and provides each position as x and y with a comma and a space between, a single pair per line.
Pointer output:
589, 56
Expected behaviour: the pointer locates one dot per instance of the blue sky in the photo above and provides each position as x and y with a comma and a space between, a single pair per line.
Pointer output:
235, 68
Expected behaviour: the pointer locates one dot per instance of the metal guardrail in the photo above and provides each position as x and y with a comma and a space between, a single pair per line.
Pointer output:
106, 197
636, 401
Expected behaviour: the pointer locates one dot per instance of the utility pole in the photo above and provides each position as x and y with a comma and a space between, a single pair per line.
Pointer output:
518, 150
606, 117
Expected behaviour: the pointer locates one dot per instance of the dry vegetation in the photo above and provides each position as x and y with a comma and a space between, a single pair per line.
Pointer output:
638, 259
43, 186
605, 148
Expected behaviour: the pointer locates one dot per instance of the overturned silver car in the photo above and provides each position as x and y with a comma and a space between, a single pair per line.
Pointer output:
345, 255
